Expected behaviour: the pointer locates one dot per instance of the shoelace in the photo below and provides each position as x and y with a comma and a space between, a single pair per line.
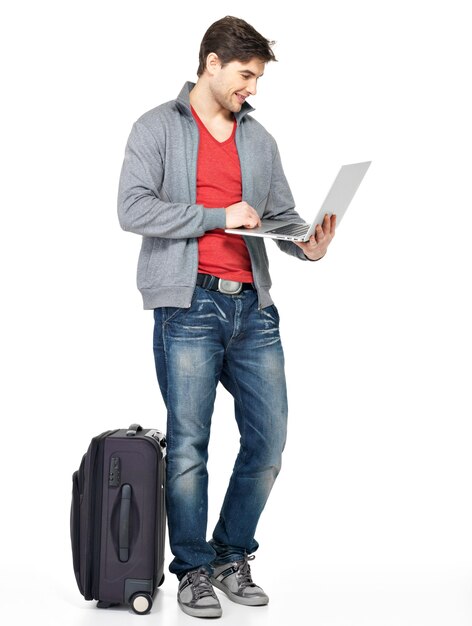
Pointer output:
244, 572
201, 585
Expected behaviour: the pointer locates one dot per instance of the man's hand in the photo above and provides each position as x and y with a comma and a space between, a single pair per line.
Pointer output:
241, 214
316, 246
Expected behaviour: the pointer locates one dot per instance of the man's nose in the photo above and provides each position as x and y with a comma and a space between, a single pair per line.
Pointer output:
252, 87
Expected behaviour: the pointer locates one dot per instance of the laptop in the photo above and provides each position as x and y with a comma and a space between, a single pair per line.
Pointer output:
337, 201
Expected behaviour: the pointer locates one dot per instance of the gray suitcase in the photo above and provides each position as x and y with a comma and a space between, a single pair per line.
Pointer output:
118, 518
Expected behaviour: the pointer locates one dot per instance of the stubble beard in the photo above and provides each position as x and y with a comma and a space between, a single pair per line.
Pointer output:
227, 102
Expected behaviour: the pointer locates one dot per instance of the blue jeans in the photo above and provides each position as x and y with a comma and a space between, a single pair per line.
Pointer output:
225, 338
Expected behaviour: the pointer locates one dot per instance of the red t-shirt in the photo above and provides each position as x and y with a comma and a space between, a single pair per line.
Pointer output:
219, 185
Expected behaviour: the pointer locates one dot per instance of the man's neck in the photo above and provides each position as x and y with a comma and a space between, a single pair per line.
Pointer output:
206, 106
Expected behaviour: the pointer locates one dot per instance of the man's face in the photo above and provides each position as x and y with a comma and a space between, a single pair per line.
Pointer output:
233, 83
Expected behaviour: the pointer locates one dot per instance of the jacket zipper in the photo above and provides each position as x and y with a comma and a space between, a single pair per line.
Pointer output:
195, 273
242, 197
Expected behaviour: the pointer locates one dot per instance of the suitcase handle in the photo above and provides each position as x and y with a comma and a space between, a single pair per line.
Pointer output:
133, 430
125, 510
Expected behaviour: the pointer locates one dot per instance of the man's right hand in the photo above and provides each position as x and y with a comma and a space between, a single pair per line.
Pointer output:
241, 214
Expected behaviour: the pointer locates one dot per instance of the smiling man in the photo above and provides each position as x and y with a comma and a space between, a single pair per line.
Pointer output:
193, 167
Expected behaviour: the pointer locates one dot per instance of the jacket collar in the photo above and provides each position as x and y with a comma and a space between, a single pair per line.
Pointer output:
183, 102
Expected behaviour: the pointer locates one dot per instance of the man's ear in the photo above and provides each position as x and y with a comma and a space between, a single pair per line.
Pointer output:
212, 63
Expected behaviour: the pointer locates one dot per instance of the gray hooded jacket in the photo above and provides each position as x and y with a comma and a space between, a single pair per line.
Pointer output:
157, 199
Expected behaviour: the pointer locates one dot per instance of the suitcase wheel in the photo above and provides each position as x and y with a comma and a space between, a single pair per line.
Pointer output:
141, 603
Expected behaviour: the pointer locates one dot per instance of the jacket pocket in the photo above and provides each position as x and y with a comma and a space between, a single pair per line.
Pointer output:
166, 262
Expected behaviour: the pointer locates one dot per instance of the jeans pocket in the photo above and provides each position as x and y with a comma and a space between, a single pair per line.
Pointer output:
271, 312
170, 313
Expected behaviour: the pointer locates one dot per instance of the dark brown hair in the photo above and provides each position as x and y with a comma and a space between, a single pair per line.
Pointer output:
233, 39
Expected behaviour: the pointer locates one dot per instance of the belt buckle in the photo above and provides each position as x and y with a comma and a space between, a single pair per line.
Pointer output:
229, 287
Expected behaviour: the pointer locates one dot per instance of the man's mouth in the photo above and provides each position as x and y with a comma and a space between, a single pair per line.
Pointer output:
240, 98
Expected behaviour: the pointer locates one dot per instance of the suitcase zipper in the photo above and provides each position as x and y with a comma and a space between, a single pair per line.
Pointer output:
92, 576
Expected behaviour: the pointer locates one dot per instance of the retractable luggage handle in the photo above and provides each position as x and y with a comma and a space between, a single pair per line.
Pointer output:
125, 510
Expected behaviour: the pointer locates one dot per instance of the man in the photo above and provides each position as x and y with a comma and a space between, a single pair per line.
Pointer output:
193, 167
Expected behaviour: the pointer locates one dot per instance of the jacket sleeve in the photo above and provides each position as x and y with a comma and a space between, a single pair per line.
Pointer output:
281, 205
141, 209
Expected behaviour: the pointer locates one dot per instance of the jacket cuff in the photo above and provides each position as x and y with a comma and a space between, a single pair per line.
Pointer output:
314, 260
214, 218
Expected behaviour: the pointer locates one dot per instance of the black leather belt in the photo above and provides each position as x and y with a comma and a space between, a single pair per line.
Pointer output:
228, 287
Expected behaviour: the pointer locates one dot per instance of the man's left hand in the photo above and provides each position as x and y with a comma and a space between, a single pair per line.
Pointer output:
316, 246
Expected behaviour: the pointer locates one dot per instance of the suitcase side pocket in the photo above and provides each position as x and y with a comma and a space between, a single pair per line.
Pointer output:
75, 529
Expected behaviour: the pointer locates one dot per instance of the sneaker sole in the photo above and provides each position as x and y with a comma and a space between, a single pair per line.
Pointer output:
203, 612
254, 601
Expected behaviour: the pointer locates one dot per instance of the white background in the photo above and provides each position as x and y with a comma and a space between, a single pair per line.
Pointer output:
370, 520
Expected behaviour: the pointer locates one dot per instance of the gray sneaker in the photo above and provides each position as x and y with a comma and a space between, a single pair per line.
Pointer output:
196, 595
235, 580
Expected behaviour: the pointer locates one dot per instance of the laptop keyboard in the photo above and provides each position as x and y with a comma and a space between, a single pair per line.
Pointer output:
295, 230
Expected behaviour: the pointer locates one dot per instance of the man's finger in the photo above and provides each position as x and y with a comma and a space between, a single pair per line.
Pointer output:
333, 223
326, 223
319, 233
